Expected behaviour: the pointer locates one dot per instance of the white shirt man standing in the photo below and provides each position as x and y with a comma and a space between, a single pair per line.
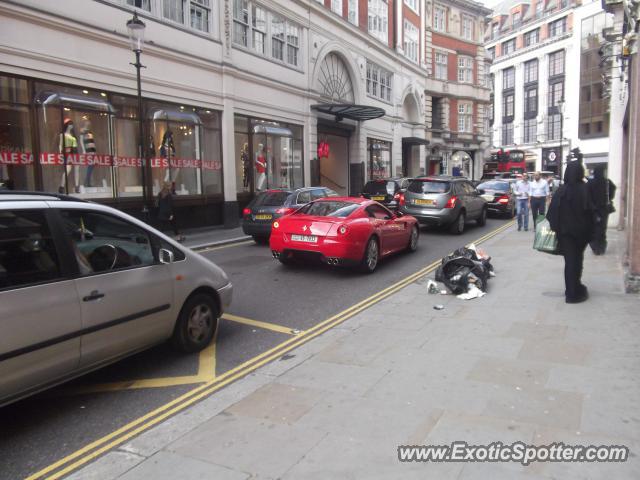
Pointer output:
523, 192
539, 195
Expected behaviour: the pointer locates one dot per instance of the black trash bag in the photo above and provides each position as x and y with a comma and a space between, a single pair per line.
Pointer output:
463, 268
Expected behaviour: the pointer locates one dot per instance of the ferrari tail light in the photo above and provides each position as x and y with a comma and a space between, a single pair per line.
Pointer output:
285, 210
504, 199
246, 212
399, 197
343, 230
451, 203
276, 225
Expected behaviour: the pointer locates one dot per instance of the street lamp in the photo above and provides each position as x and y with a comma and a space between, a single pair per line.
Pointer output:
135, 28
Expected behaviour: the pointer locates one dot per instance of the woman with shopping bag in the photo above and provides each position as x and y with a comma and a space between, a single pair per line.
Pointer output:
571, 217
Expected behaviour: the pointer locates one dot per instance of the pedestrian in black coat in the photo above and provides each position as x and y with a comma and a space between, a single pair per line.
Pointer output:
602, 191
571, 216
166, 215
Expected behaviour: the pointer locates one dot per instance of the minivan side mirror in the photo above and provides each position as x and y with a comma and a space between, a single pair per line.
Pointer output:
165, 256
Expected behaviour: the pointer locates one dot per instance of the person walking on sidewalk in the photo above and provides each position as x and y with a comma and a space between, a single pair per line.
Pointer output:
539, 195
166, 215
602, 191
571, 217
523, 192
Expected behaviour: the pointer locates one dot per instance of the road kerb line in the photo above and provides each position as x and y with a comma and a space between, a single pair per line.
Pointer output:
137, 426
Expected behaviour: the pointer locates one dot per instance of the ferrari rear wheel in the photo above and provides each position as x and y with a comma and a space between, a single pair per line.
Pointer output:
413, 239
370, 259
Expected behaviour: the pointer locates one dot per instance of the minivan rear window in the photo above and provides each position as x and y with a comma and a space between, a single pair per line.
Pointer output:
379, 187
429, 186
271, 199
328, 209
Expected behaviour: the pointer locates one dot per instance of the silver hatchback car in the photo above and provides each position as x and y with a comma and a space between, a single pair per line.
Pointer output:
83, 285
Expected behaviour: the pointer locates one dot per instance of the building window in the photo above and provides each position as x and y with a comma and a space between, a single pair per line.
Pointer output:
531, 102
467, 27
509, 46
200, 12
352, 11
336, 6
507, 106
539, 8
379, 20
558, 27
141, 4
516, 19
441, 72
495, 30
507, 134
440, 18
508, 78
411, 39
556, 63
266, 33
465, 69
530, 131
492, 53
412, 4
553, 126
556, 95
173, 10
437, 113
532, 37
378, 82
240, 22
531, 71
465, 116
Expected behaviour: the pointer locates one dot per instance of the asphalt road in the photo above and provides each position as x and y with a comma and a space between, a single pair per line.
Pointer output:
41, 430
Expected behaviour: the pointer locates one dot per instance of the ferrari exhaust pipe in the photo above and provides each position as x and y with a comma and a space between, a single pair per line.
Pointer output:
275, 254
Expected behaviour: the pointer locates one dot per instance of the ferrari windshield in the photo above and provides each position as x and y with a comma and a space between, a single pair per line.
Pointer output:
328, 209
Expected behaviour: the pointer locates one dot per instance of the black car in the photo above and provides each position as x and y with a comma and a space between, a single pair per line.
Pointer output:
385, 190
258, 216
500, 197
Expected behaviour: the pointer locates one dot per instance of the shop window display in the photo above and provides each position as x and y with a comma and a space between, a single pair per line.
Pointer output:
244, 165
211, 153
380, 159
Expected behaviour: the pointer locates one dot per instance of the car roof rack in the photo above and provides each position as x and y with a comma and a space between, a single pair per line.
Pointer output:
59, 196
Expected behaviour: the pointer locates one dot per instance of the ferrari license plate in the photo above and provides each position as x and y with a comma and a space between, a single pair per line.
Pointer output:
378, 198
264, 217
304, 238
420, 201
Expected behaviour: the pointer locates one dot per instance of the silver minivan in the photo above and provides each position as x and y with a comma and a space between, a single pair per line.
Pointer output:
83, 285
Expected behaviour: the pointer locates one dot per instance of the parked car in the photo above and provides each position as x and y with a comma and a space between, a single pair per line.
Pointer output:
269, 205
343, 231
500, 197
444, 201
386, 191
83, 285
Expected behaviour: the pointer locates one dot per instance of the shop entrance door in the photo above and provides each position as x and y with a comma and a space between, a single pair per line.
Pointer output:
334, 168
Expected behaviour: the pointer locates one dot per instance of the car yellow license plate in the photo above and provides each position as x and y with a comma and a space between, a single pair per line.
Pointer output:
304, 238
378, 198
264, 217
420, 201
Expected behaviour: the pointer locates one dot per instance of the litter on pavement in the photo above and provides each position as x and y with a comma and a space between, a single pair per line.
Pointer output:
432, 287
466, 272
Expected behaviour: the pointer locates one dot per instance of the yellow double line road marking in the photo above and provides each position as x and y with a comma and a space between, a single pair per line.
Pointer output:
93, 450
264, 325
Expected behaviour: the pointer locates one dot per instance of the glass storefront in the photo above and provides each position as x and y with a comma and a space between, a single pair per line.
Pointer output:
268, 155
87, 143
379, 158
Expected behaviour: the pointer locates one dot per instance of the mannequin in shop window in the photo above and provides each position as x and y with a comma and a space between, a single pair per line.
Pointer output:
246, 165
261, 168
88, 145
69, 146
168, 151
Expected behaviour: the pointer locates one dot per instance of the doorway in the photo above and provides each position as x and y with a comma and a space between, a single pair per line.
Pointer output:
333, 168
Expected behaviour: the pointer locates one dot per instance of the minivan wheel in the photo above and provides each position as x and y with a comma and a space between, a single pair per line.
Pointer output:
457, 226
370, 258
482, 220
196, 325
413, 239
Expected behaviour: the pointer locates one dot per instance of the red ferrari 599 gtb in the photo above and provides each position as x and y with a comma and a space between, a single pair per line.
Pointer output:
343, 231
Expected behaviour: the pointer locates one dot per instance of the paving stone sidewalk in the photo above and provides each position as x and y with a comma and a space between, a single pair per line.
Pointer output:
516, 365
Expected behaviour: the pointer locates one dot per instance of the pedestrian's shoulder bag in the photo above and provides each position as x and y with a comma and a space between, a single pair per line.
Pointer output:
545, 239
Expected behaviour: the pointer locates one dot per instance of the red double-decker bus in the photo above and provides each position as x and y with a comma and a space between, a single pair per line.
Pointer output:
505, 161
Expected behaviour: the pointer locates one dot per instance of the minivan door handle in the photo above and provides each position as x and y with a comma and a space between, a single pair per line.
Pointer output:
95, 295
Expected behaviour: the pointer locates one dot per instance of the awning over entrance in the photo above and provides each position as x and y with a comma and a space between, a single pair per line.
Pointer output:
414, 141
350, 111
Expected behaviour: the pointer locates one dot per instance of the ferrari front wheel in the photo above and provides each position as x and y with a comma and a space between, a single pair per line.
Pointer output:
370, 259
413, 239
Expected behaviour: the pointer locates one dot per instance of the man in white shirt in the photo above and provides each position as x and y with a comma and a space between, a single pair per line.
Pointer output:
539, 195
523, 192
